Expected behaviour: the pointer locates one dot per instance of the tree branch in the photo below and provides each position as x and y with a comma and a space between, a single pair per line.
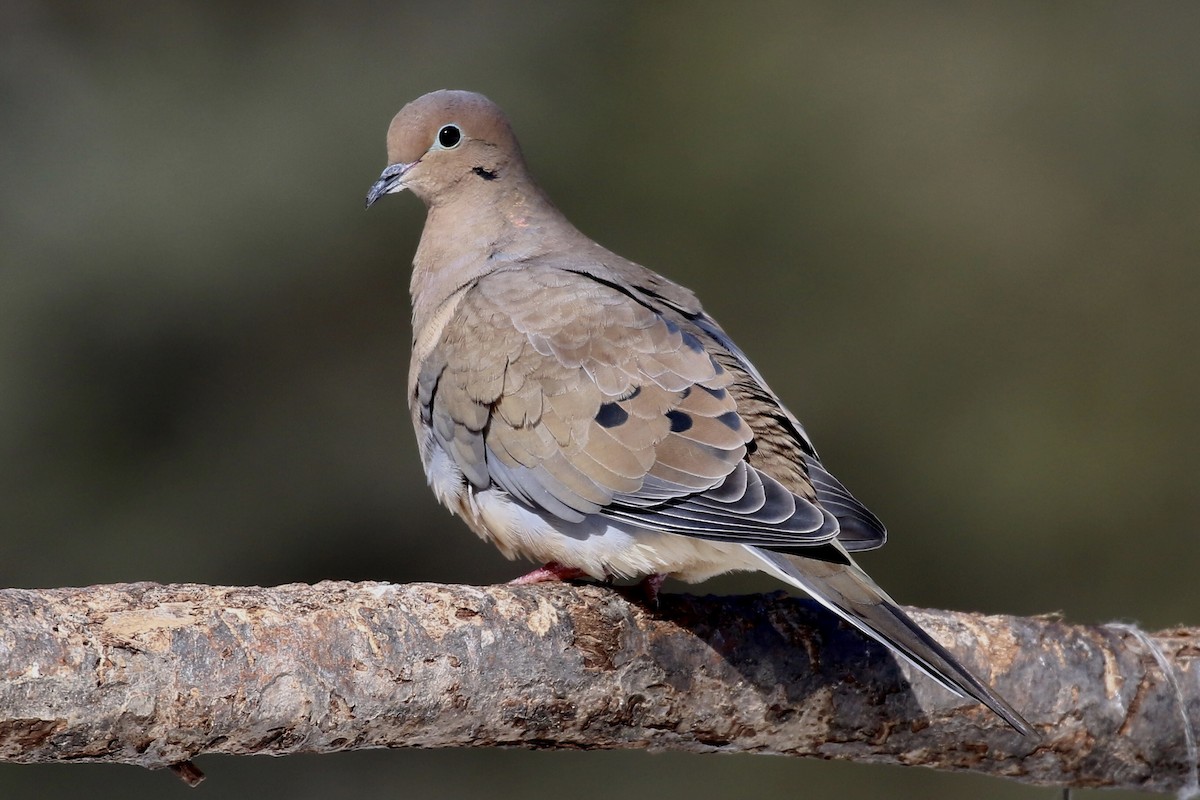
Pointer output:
155, 675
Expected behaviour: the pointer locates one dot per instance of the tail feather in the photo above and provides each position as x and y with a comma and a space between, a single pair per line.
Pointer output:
851, 594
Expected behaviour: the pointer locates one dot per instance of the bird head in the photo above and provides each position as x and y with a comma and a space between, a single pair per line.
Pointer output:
446, 142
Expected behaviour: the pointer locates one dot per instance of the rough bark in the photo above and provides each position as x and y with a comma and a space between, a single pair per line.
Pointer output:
155, 675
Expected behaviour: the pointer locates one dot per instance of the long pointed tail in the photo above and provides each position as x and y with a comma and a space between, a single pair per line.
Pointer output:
851, 594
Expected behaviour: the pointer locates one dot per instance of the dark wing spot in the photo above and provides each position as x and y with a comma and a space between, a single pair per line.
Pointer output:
717, 393
427, 405
692, 343
680, 421
731, 420
611, 415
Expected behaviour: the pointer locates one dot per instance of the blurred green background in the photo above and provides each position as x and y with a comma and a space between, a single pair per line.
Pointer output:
960, 240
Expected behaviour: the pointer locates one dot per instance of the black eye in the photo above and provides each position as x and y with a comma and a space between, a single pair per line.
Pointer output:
449, 136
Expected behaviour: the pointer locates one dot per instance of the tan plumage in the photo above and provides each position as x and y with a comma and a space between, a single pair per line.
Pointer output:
576, 408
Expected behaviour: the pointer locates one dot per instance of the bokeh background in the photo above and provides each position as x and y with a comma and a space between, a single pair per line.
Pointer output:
960, 240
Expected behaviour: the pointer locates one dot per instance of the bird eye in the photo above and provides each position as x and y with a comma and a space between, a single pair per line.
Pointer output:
449, 136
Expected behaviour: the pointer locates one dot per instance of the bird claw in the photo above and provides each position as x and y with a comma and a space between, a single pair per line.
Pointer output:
550, 571
554, 571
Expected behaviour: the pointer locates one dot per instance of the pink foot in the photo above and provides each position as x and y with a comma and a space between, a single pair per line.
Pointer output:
552, 571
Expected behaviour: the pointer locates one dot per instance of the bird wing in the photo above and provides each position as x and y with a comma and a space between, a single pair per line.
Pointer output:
781, 448
578, 397
785, 446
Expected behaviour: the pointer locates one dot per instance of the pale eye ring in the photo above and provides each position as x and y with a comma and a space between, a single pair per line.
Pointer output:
449, 136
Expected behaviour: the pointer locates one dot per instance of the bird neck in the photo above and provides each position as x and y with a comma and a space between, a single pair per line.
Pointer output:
469, 234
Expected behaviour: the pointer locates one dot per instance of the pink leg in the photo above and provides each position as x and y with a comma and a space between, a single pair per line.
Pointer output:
552, 571
650, 586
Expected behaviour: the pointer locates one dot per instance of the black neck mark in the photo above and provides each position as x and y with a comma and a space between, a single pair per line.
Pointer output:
486, 174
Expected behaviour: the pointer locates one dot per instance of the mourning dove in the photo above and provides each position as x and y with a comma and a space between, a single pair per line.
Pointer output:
577, 409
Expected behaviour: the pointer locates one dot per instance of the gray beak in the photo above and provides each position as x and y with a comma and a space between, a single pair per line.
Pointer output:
389, 181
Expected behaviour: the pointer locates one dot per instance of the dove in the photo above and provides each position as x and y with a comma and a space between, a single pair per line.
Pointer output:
582, 411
